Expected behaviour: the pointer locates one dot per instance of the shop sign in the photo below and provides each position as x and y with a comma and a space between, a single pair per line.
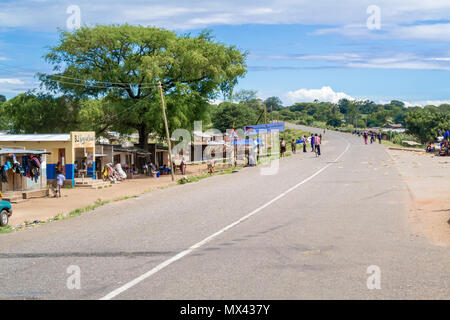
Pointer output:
83, 139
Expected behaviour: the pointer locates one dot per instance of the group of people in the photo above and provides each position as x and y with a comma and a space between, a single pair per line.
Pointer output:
443, 139
150, 169
369, 134
315, 141
113, 173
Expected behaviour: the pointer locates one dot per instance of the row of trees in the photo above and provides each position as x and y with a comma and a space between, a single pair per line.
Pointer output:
423, 122
45, 113
109, 77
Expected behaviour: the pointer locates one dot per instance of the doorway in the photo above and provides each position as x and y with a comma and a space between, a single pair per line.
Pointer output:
62, 160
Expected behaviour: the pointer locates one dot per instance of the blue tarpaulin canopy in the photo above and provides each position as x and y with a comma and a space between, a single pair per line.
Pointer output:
247, 142
264, 128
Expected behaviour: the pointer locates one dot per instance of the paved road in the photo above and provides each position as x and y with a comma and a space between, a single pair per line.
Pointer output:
309, 232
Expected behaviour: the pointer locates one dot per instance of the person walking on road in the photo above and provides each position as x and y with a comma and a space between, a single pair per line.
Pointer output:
312, 142
317, 145
293, 146
379, 137
365, 137
305, 140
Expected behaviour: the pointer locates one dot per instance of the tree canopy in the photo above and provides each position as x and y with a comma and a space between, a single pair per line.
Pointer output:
40, 113
228, 115
122, 65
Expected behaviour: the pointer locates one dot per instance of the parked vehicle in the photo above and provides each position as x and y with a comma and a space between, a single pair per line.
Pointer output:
5, 212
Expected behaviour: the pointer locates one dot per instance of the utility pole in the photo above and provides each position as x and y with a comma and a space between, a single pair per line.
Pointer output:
271, 112
163, 107
265, 113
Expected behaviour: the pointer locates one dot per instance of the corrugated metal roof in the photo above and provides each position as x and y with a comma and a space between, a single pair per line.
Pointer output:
35, 137
22, 151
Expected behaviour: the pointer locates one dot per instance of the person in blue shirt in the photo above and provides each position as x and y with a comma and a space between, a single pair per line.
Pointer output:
59, 183
446, 135
312, 143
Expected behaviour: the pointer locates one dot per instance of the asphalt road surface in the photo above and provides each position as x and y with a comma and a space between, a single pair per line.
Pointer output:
308, 232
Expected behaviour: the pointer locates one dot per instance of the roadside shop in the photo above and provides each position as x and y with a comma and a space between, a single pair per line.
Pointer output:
73, 153
23, 173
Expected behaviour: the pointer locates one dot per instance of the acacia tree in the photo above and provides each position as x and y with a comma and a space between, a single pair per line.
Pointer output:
122, 65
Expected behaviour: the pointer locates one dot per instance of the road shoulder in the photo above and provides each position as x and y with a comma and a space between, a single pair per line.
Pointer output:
428, 181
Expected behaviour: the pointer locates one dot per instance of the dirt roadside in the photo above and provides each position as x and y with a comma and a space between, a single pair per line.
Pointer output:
428, 180
76, 198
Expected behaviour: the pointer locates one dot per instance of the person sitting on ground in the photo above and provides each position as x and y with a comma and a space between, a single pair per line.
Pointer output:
430, 147
444, 148
152, 167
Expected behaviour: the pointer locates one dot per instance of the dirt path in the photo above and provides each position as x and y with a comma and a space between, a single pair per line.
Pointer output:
428, 180
45, 208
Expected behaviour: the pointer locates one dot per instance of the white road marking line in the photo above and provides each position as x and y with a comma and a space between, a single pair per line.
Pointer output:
180, 255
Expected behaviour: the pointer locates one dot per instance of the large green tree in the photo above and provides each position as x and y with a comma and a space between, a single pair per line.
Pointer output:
3, 118
425, 124
122, 65
273, 103
228, 114
41, 113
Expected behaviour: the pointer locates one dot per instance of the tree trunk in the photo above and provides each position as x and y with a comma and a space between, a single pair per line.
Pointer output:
143, 137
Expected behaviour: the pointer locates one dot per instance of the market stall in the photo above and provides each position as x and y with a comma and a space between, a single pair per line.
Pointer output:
23, 173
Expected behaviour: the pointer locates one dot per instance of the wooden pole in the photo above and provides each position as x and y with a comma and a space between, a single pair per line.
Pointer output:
163, 106
265, 113
271, 112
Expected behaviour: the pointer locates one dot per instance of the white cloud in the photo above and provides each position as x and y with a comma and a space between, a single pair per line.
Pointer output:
324, 94
439, 31
11, 81
350, 15
372, 60
425, 103
435, 31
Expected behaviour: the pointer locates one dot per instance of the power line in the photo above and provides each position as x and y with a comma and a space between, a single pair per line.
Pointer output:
101, 87
119, 83
145, 85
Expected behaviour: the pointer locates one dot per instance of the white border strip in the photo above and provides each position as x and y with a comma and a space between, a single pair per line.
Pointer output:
206, 240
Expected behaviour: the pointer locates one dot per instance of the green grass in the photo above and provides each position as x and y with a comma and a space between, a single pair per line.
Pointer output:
206, 175
124, 198
6, 229
396, 145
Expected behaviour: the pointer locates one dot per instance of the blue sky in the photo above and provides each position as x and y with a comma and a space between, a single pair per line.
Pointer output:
298, 50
